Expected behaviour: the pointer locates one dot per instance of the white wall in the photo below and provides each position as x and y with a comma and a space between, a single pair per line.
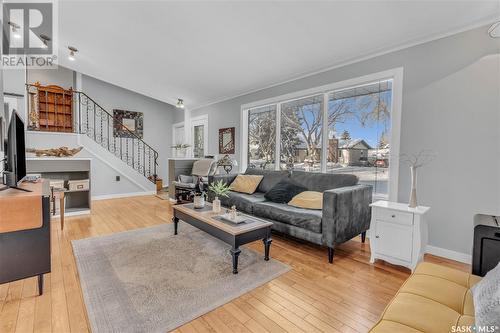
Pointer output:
451, 103
61, 76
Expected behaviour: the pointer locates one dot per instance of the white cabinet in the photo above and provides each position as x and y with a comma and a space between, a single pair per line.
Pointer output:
398, 234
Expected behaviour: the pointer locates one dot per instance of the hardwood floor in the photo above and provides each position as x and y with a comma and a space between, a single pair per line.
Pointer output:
346, 296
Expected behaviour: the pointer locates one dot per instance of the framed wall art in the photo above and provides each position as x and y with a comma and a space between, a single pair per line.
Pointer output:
133, 121
226, 140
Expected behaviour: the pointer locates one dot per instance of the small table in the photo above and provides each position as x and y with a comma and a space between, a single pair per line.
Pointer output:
58, 192
233, 234
398, 234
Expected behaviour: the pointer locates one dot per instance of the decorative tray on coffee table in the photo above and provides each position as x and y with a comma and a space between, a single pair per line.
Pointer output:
239, 218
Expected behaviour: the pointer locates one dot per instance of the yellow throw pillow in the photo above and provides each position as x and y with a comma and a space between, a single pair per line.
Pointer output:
246, 183
308, 199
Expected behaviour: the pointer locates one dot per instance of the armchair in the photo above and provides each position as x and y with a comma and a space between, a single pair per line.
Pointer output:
186, 185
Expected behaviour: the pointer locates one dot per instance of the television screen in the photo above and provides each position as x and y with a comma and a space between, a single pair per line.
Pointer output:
15, 152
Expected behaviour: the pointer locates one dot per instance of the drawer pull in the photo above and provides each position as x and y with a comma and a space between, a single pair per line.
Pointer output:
393, 216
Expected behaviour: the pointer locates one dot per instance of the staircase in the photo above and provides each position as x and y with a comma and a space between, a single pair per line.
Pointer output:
92, 120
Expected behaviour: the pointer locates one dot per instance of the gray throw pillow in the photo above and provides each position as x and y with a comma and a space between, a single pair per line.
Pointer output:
187, 179
486, 295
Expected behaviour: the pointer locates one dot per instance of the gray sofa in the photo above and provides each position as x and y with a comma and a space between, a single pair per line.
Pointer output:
346, 212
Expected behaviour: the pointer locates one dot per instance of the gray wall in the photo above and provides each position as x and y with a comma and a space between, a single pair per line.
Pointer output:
158, 116
178, 116
451, 103
62, 77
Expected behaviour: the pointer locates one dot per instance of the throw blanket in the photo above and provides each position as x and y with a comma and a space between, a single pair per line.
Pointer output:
202, 167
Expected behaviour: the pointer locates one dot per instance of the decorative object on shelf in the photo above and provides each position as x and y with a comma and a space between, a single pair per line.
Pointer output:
226, 140
128, 123
180, 149
227, 163
220, 189
51, 108
79, 185
416, 161
199, 200
55, 152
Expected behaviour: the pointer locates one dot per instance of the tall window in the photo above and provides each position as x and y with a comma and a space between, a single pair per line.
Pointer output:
359, 131
301, 134
262, 137
355, 127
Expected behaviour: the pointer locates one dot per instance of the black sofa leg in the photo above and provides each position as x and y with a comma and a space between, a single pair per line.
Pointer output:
330, 254
40, 284
363, 236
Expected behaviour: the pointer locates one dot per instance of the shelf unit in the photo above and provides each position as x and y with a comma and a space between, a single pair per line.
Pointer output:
77, 202
55, 108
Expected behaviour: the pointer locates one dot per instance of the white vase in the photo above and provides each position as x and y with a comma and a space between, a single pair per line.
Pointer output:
199, 201
413, 192
216, 205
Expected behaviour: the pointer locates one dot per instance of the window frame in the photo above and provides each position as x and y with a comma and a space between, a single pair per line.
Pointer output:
396, 74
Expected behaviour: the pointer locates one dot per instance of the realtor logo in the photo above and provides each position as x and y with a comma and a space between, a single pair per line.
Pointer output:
28, 34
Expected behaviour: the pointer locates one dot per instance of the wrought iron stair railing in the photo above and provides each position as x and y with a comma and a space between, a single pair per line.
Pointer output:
94, 121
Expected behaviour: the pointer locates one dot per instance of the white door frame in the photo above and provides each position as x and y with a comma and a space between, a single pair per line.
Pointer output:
197, 121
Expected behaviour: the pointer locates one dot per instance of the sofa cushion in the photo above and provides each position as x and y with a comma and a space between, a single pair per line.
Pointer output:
284, 191
270, 179
303, 218
433, 299
246, 183
321, 182
243, 202
308, 199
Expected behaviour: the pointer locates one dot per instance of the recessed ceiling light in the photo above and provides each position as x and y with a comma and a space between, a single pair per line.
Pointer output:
15, 29
494, 30
180, 103
45, 39
72, 52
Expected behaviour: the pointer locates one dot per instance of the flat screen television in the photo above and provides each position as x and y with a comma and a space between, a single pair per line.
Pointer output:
15, 152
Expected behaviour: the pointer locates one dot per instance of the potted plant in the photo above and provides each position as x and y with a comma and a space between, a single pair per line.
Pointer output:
220, 189
180, 149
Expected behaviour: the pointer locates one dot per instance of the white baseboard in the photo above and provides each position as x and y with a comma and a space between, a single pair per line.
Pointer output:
449, 254
122, 195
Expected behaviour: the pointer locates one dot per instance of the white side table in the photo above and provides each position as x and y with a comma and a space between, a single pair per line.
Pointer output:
398, 234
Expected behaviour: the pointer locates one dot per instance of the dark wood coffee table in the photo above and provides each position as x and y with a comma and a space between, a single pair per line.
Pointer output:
233, 234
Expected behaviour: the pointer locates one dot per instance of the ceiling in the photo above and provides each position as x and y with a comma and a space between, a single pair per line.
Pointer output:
208, 51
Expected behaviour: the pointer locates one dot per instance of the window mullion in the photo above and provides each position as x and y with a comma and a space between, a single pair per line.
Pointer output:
277, 149
324, 139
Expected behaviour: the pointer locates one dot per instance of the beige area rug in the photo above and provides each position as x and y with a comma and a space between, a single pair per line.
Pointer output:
149, 280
